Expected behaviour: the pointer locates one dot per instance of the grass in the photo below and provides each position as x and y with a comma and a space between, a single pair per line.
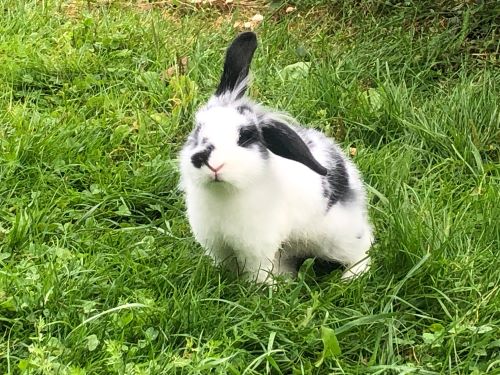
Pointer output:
99, 273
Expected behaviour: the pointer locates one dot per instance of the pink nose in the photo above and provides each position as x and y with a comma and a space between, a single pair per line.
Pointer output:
215, 170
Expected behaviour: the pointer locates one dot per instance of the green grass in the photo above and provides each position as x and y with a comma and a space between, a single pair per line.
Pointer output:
99, 273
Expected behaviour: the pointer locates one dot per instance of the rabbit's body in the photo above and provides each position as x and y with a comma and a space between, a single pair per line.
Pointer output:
261, 192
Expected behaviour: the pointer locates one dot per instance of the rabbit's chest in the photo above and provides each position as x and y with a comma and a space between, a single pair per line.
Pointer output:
241, 218
237, 222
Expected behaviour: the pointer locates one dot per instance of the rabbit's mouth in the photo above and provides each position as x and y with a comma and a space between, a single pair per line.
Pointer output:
218, 182
215, 176
214, 179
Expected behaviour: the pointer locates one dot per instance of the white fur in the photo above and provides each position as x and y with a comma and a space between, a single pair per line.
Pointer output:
265, 212
268, 211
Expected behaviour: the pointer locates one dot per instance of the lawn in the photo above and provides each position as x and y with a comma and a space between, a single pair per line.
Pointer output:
99, 273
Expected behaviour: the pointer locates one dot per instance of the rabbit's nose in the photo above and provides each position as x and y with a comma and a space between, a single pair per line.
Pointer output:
201, 158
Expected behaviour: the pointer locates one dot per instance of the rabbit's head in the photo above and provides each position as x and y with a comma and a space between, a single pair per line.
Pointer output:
234, 139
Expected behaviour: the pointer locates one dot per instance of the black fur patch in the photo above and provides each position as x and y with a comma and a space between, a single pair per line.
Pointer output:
336, 183
243, 108
193, 137
321, 267
238, 58
283, 141
249, 135
201, 157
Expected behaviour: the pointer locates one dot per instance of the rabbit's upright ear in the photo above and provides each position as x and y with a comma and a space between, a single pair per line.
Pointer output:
283, 141
236, 66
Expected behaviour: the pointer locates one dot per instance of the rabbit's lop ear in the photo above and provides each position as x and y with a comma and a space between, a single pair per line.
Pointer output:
283, 141
238, 58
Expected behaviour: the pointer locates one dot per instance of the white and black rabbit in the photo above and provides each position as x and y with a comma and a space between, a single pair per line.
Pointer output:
261, 191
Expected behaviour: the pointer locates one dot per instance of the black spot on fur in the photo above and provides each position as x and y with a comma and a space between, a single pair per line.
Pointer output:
321, 267
193, 137
249, 135
336, 183
201, 157
243, 108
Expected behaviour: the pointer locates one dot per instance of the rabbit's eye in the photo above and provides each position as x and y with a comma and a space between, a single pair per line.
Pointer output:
248, 136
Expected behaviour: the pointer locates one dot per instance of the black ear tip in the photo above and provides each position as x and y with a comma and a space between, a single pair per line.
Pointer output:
248, 36
247, 39
322, 170
238, 58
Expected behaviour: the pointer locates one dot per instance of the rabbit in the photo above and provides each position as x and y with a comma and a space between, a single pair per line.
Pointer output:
261, 191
